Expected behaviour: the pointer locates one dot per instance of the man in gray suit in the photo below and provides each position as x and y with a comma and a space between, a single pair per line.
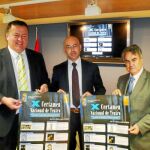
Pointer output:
139, 97
36, 78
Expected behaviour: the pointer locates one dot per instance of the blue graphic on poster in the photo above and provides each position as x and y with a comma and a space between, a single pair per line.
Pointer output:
47, 106
105, 108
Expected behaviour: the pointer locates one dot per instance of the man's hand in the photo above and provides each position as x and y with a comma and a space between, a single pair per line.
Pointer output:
84, 99
61, 91
43, 88
116, 92
86, 94
11, 103
134, 129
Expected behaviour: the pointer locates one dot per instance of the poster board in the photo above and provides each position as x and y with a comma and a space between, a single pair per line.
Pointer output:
105, 120
44, 121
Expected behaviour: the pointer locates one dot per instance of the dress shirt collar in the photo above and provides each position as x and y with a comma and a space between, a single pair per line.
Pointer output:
78, 62
136, 77
14, 54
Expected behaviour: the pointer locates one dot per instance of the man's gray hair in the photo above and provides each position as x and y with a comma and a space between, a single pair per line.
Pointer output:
134, 49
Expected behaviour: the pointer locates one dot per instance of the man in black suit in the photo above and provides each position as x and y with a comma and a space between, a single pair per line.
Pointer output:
36, 79
89, 82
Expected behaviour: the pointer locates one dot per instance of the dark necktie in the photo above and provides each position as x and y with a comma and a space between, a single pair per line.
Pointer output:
75, 86
130, 86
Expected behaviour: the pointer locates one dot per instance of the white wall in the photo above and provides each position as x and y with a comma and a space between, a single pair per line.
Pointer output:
141, 36
110, 75
52, 37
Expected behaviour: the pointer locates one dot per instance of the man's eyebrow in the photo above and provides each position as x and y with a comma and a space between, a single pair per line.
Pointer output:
134, 58
71, 45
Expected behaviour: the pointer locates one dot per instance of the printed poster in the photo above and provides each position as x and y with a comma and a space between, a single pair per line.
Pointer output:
105, 120
44, 121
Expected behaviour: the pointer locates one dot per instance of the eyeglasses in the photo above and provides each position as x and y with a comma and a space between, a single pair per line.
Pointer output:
71, 46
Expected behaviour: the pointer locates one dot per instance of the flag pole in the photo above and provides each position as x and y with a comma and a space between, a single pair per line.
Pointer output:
36, 32
37, 43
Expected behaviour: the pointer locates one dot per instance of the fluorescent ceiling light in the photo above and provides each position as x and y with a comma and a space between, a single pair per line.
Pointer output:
26, 3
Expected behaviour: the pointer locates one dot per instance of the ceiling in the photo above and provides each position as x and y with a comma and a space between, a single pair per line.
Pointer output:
74, 9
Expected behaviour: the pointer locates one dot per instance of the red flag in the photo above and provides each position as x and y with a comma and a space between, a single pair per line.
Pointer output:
37, 42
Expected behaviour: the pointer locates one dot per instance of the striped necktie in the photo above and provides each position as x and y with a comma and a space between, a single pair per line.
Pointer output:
22, 76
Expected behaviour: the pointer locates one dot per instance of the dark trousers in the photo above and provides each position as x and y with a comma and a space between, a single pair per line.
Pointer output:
75, 126
9, 142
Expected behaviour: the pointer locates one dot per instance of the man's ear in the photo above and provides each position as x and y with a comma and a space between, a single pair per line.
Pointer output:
6, 36
80, 47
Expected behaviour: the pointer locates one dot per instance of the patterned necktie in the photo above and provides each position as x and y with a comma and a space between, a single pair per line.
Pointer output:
75, 86
22, 77
130, 86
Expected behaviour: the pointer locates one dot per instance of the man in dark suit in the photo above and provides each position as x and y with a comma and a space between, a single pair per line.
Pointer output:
89, 82
139, 97
36, 79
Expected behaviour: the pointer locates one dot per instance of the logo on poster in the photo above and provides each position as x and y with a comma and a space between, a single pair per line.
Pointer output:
95, 107
35, 104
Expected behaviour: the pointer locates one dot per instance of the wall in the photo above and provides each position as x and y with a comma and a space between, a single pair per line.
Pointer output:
141, 36
51, 40
2, 35
52, 36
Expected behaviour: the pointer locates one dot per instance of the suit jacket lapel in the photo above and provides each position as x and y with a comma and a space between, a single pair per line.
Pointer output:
123, 83
65, 75
31, 68
139, 83
10, 71
83, 65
